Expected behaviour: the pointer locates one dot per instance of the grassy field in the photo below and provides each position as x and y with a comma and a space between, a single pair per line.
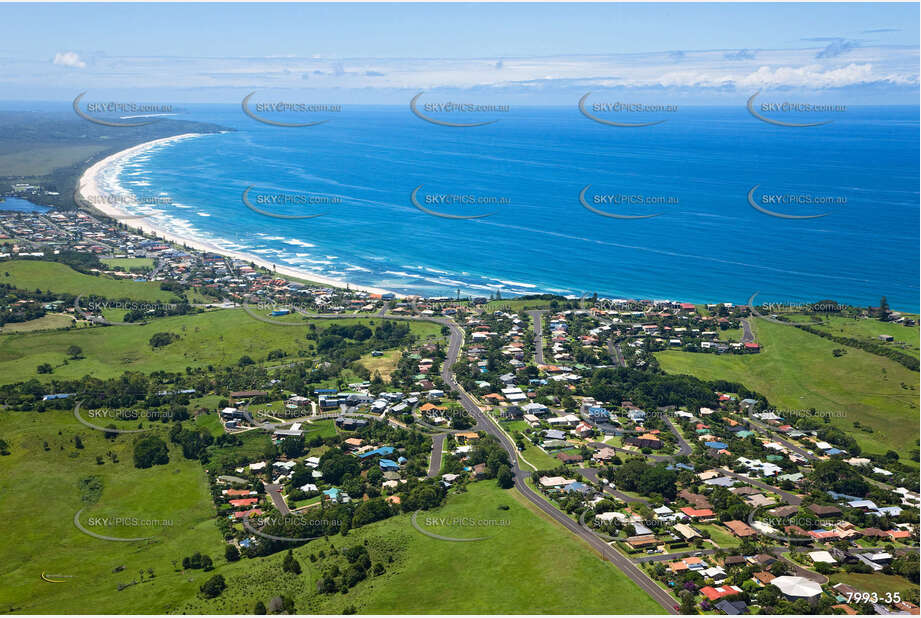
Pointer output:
720, 535
540, 458
875, 582
516, 305
128, 263
29, 275
797, 370
51, 321
869, 330
386, 363
506, 573
41, 496
212, 338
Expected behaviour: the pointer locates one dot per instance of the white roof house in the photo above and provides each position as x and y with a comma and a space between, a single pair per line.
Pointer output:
795, 587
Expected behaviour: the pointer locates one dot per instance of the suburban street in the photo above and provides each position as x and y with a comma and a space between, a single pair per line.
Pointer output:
437, 446
537, 317
274, 492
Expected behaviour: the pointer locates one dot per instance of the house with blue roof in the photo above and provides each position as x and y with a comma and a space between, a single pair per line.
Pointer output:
716, 445
579, 487
382, 450
388, 465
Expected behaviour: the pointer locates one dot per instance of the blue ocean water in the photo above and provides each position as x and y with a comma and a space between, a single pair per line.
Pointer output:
707, 245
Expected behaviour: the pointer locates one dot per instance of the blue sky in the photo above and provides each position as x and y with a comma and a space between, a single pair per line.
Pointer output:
378, 53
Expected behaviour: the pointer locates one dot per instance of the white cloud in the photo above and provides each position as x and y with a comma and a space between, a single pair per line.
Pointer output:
69, 59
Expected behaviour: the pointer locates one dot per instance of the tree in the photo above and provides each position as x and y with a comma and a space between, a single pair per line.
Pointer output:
45, 368
74, 351
505, 478
232, 554
214, 587
150, 451
687, 602
290, 564
259, 609
158, 340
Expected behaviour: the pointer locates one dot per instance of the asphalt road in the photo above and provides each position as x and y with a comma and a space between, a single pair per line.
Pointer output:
616, 354
485, 424
274, 492
536, 317
435, 464
683, 447
747, 336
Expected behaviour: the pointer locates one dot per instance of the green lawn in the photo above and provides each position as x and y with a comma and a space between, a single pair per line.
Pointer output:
537, 456
127, 264
719, 534
529, 566
51, 321
870, 330
29, 275
797, 370
219, 337
40, 497
875, 582
386, 363
516, 305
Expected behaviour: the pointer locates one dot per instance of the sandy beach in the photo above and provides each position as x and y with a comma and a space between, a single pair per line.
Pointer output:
91, 193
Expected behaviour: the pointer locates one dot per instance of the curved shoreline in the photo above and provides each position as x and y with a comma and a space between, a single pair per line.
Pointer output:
89, 192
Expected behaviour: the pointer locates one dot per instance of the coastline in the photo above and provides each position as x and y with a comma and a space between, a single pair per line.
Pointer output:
88, 192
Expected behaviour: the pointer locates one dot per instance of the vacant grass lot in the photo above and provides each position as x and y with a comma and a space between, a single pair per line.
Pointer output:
528, 566
386, 363
906, 337
41, 496
875, 582
217, 338
30, 275
50, 321
797, 370
128, 263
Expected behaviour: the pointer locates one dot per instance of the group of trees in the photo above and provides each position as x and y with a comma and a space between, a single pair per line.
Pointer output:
636, 475
150, 451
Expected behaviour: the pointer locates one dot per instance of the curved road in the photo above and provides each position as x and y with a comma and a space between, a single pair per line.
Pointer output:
486, 424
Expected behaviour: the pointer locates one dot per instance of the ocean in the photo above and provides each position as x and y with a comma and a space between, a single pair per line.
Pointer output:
695, 171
